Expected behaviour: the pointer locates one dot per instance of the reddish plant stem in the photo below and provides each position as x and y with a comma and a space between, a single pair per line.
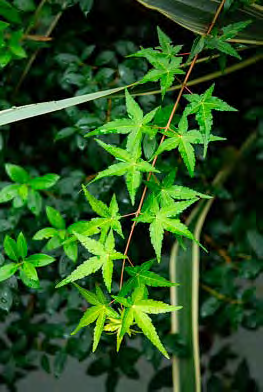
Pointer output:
187, 88
183, 54
132, 213
163, 137
153, 164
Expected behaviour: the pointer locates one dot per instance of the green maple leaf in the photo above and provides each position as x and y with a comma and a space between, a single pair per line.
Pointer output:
202, 106
135, 126
166, 48
109, 216
182, 139
163, 59
215, 41
114, 325
105, 255
131, 166
137, 309
98, 312
162, 219
166, 191
219, 42
141, 275
164, 71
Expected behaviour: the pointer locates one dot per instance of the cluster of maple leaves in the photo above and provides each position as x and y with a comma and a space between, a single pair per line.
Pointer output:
164, 203
128, 312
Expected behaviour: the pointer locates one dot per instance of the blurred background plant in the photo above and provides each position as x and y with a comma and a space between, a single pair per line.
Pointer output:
53, 49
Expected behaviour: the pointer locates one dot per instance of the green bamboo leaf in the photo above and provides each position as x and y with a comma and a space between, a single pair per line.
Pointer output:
22, 112
197, 16
184, 267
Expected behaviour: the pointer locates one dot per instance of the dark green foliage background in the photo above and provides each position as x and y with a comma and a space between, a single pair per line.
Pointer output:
87, 54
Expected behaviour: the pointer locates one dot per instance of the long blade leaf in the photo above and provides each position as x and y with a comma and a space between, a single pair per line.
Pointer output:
196, 15
14, 114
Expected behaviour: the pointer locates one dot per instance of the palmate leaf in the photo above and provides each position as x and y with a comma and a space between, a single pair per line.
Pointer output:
183, 139
201, 106
132, 167
136, 310
109, 216
166, 46
105, 254
115, 324
98, 312
165, 192
141, 275
163, 59
135, 126
219, 41
145, 323
221, 45
165, 73
162, 219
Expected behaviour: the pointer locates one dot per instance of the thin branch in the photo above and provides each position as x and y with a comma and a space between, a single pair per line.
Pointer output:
36, 16
222, 252
210, 76
163, 137
34, 55
220, 296
108, 113
132, 213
